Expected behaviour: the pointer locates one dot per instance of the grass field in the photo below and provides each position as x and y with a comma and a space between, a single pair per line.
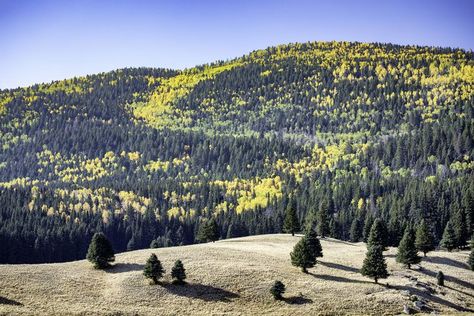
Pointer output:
233, 277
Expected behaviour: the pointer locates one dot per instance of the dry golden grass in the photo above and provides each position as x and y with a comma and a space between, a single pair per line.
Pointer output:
233, 277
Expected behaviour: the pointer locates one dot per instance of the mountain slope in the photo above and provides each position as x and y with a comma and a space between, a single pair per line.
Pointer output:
233, 277
359, 130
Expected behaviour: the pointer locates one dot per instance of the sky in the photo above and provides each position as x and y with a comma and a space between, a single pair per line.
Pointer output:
45, 40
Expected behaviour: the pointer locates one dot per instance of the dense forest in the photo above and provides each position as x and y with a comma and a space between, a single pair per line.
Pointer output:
342, 132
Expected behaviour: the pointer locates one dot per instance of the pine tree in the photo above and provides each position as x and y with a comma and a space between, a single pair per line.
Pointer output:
277, 290
407, 252
322, 226
374, 265
470, 261
354, 233
424, 238
208, 231
314, 244
178, 272
301, 255
369, 221
291, 223
153, 269
440, 278
448, 241
378, 234
459, 226
100, 251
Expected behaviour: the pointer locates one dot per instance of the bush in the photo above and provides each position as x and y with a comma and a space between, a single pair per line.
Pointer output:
440, 278
277, 290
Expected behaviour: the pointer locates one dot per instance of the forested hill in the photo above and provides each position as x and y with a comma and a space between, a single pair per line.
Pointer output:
343, 132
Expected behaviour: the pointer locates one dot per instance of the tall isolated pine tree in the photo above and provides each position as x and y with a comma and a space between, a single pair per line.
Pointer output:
291, 224
449, 240
424, 238
407, 252
100, 251
374, 265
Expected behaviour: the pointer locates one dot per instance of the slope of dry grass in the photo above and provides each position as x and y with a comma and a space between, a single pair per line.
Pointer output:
233, 277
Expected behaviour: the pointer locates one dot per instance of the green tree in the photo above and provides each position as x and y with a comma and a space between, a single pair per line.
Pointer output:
369, 221
355, 233
440, 278
291, 223
424, 238
301, 255
314, 244
470, 260
459, 226
322, 226
153, 269
407, 252
100, 251
378, 234
374, 265
449, 241
178, 273
277, 290
208, 231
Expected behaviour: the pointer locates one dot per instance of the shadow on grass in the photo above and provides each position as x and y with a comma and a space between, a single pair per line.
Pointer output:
200, 291
446, 261
7, 301
337, 241
338, 266
297, 300
337, 278
431, 298
124, 267
459, 291
448, 278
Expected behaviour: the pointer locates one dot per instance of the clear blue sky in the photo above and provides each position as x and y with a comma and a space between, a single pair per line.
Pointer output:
45, 40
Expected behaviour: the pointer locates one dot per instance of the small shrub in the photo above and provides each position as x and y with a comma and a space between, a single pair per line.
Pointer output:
440, 278
277, 290
178, 273
153, 269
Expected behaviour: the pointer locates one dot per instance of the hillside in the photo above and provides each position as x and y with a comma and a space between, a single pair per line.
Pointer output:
356, 131
233, 277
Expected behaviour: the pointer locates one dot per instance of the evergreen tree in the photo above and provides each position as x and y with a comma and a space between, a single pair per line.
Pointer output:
314, 244
100, 251
369, 221
153, 269
470, 261
440, 278
407, 252
301, 255
208, 231
291, 223
355, 233
449, 241
378, 234
424, 238
322, 226
178, 272
277, 290
459, 226
374, 265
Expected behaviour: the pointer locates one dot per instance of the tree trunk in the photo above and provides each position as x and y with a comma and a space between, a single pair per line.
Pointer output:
304, 270
292, 233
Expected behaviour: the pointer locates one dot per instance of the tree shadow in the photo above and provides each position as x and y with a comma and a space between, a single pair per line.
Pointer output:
448, 278
337, 278
297, 300
7, 301
125, 267
446, 261
431, 298
203, 292
459, 291
339, 266
337, 241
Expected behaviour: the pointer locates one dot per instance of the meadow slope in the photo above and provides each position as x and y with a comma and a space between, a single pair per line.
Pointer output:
233, 277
